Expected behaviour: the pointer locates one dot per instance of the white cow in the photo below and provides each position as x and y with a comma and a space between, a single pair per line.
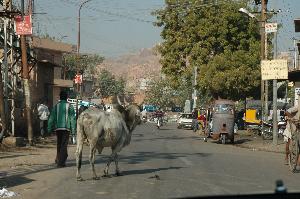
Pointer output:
105, 129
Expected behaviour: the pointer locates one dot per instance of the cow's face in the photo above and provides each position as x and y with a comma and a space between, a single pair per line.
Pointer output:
134, 115
138, 116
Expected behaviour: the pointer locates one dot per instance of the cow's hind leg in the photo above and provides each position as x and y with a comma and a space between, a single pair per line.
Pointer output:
78, 160
118, 173
92, 158
78, 153
113, 157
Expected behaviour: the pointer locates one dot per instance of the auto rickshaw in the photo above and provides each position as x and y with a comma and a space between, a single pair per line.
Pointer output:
222, 121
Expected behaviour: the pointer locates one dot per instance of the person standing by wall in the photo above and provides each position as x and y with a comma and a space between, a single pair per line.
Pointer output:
63, 121
43, 113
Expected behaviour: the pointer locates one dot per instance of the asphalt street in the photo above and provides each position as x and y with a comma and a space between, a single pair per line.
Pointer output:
165, 163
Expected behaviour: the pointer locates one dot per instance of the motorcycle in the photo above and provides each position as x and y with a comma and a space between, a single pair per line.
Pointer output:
144, 119
159, 122
267, 132
281, 126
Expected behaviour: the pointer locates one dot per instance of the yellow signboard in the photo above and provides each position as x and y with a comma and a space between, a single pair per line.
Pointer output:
274, 69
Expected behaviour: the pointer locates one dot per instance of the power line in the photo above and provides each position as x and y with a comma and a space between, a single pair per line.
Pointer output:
120, 15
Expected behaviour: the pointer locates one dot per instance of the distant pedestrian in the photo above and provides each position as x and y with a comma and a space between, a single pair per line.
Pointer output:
63, 121
291, 113
43, 113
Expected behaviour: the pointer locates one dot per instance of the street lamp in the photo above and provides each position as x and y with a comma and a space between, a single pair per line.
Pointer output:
80, 6
264, 86
78, 51
264, 56
245, 11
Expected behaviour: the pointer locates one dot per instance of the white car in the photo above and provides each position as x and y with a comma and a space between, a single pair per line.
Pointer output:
185, 120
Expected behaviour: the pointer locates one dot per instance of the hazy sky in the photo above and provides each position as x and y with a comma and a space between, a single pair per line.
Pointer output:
116, 27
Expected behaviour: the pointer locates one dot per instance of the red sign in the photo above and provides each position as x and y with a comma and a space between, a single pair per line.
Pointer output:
78, 79
23, 27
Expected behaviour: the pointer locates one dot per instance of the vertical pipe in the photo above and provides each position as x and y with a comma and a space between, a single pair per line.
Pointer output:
295, 54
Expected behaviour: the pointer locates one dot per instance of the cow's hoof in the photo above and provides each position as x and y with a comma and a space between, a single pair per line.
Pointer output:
96, 178
79, 179
107, 176
118, 173
105, 172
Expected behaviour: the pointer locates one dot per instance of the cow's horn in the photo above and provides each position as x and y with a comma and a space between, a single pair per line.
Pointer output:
125, 101
119, 101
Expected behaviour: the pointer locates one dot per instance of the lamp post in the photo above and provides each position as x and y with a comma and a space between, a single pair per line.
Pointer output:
78, 52
263, 53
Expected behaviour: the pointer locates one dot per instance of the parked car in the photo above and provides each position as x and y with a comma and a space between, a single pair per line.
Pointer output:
185, 120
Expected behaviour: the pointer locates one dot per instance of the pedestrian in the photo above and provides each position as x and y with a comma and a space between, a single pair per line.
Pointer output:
63, 121
43, 113
290, 114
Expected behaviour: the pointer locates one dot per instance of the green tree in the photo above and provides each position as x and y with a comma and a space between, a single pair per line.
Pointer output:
223, 43
108, 85
162, 94
86, 64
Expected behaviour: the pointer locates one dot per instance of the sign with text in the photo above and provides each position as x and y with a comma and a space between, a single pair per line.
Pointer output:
78, 79
23, 26
274, 69
271, 27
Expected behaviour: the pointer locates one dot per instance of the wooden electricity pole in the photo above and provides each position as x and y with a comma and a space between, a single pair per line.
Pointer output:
263, 55
25, 76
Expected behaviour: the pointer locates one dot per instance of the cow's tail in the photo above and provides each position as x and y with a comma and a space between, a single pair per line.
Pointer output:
80, 140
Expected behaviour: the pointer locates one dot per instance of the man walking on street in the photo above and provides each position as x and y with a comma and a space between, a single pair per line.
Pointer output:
63, 121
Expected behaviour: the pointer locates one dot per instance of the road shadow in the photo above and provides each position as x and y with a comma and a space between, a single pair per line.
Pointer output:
164, 129
139, 157
17, 176
12, 181
147, 171
241, 141
170, 138
138, 135
11, 156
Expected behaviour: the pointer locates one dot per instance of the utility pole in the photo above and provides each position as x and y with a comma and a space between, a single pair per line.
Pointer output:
25, 76
275, 117
275, 122
195, 90
266, 82
78, 55
262, 54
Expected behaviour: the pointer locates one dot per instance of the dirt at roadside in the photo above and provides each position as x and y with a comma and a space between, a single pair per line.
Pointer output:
249, 140
43, 152
255, 142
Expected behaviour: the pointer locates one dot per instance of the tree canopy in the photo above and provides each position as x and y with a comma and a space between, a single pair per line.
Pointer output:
161, 93
223, 43
86, 64
108, 85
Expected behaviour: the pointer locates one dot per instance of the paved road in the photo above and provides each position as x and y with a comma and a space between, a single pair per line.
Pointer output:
184, 164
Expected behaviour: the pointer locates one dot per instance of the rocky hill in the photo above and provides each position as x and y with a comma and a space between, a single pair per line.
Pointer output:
134, 67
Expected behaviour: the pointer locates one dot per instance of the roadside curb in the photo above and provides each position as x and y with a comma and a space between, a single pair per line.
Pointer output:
257, 148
